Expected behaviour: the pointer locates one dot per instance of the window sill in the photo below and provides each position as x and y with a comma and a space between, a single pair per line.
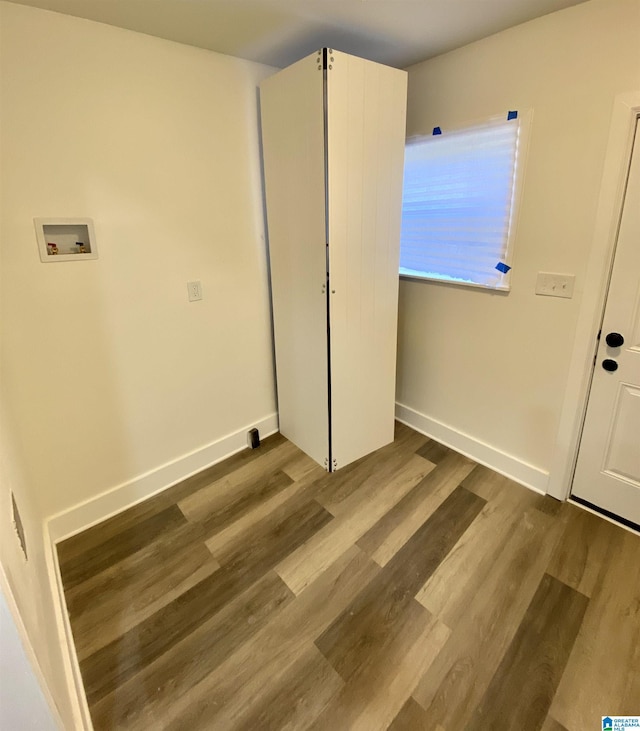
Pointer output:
501, 288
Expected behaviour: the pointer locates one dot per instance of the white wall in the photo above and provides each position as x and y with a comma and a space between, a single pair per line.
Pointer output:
22, 704
491, 366
107, 371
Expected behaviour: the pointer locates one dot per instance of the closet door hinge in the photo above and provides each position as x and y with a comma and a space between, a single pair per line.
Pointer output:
334, 465
324, 59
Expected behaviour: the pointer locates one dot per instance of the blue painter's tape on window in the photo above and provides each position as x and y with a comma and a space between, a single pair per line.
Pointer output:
437, 131
502, 267
512, 115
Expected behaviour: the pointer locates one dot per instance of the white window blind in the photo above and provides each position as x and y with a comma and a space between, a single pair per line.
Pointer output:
458, 205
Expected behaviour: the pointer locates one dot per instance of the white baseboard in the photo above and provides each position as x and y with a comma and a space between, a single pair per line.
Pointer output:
119, 498
71, 665
497, 460
109, 503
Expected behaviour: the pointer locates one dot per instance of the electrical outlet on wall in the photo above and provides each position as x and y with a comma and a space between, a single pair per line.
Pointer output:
555, 285
195, 290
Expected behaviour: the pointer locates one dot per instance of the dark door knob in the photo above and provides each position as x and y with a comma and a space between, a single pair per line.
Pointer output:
609, 365
614, 340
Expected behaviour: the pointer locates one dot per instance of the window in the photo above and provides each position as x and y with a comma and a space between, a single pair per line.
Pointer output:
458, 204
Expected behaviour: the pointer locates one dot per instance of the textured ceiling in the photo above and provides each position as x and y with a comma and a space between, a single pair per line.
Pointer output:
278, 32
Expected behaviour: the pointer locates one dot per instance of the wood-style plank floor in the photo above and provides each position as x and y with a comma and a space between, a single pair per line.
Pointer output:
412, 589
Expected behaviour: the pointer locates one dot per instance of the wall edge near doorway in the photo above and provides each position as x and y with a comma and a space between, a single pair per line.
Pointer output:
30, 653
621, 131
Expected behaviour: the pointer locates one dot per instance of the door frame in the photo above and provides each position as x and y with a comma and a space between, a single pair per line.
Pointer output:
626, 109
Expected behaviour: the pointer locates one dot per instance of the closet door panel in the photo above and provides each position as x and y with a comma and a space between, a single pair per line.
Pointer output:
366, 105
292, 115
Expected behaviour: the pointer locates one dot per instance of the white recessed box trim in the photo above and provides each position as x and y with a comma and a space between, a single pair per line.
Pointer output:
66, 234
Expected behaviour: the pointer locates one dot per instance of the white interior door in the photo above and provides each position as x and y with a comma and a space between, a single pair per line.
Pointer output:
608, 468
366, 109
292, 112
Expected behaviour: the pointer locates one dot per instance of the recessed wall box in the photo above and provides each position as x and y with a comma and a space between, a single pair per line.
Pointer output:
65, 239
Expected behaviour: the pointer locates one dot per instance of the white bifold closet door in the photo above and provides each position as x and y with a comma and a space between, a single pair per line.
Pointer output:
366, 112
333, 143
292, 112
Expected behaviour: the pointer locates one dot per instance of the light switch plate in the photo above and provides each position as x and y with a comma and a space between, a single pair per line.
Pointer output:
555, 285
195, 291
